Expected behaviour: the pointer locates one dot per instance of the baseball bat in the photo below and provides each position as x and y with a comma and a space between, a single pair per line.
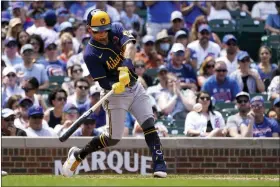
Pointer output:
81, 119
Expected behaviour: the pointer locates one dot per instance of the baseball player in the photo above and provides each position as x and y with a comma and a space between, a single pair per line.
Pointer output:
108, 57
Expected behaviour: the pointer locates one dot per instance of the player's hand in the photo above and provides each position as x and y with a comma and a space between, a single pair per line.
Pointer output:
118, 88
124, 75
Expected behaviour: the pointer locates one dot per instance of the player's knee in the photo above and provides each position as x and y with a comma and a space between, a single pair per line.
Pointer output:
112, 142
149, 123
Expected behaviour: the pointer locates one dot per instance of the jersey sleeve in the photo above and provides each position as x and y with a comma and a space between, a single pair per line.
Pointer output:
125, 35
95, 67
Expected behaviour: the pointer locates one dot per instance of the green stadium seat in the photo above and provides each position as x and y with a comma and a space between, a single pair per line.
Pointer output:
250, 33
152, 72
56, 80
222, 27
237, 14
219, 106
265, 96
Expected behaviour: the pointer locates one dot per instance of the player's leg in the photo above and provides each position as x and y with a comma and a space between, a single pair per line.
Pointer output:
111, 137
142, 111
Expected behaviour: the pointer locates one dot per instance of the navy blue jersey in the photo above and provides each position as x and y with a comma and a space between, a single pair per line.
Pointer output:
103, 60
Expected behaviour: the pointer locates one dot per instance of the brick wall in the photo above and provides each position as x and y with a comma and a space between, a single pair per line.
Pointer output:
191, 158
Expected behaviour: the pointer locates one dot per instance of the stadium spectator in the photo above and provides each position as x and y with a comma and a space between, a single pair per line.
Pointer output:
273, 89
57, 99
35, 125
191, 10
19, 11
129, 19
237, 6
10, 84
206, 70
22, 120
148, 54
276, 107
79, 29
248, 79
264, 67
204, 121
163, 44
38, 45
78, 8
140, 69
99, 114
69, 115
193, 36
175, 101
220, 86
66, 27
11, 56
30, 69
66, 47
184, 72
22, 38
129, 123
13, 103
234, 121
272, 23
75, 72
156, 19
88, 128
81, 94
181, 37
8, 127
15, 26
271, 113
258, 124
37, 16
119, 6
218, 11
177, 23
62, 15
203, 46
261, 10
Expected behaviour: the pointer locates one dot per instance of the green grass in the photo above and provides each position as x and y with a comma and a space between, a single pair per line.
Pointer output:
138, 180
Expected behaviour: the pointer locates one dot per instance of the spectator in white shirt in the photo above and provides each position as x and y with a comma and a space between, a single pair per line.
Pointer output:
11, 56
274, 88
36, 129
38, 18
203, 46
261, 10
219, 11
81, 95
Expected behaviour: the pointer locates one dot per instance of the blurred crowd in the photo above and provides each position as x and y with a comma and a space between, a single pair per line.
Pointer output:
186, 69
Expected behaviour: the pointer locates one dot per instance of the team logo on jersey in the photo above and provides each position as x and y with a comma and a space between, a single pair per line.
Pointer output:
127, 33
102, 21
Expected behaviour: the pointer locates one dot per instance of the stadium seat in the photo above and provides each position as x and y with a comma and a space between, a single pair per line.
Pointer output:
273, 41
219, 106
237, 14
56, 80
222, 27
249, 36
265, 96
152, 72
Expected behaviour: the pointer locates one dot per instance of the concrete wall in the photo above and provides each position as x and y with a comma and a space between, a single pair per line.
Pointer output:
183, 155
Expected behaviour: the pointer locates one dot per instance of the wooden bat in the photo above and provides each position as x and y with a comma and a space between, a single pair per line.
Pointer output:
83, 117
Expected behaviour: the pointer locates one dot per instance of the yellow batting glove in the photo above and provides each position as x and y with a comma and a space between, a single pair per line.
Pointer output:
118, 87
124, 75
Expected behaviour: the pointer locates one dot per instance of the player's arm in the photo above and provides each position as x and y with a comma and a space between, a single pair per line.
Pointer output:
129, 50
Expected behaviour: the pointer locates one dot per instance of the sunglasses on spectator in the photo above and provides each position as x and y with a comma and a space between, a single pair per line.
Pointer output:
69, 42
240, 101
149, 43
221, 70
77, 70
37, 116
83, 87
180, 53
259, 105
11, 75
72, 111
140, 66
231, 43
10, 119
210, 66
177, 20
89, 123
61, 99
204, 33
205, 98
244, 60
11, 45
51, 47
27, 89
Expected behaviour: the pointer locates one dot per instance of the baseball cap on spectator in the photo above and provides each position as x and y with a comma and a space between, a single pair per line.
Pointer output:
26, 47
6, 112
90, 119
229, 37
162, 68
50, 18
204, 27
161, 35
10, 41
15, 21
17, 5
62, 12
276, 101
148, 38
176, 15
8, 70
68, 107
95, 89
241, 55
49, 44
25, 102
35, 110
5, 16
180, 34
257, 99
65, 25
37, 14
176, 47
242, 94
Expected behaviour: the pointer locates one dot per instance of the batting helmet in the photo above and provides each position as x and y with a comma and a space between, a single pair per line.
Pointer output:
99, 20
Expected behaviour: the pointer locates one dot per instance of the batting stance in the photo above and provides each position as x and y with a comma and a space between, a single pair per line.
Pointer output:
108, 58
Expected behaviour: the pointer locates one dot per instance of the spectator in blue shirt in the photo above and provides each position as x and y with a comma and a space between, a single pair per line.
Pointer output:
184, 72
272, 23
258, 125
220, 86
276, 106
177, 23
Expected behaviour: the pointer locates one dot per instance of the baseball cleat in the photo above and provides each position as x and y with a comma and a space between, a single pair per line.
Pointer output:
71, 164
159, 163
